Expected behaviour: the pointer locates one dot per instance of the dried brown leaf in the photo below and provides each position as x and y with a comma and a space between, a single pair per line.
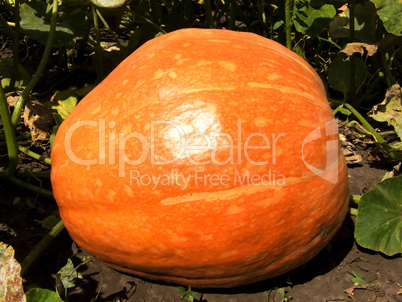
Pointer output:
356, 47
38, 118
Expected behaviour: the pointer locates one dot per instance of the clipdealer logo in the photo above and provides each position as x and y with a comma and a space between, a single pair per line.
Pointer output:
112, 150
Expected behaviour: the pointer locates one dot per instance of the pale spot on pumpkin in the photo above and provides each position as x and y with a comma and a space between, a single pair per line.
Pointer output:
287, 90
228, 65
305, 123
98, 182
124, 82
118, 95
158, 74
203, 62
97, 110
172, 74
87, 193
228, 254
139, 83
115, 111
128, 190
219, 41
187, 44
240, 47
178, 57
111, 194
194, 90
63, 166
273, 76
260, 121
234, 210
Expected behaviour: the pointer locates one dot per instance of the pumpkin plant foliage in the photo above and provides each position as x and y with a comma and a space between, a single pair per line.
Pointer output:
379, 222
390, 13
35, 23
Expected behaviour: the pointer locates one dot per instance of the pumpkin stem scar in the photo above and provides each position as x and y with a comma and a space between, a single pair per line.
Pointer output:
325, 231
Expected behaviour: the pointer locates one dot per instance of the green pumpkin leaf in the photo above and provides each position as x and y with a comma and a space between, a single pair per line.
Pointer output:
65, 101
41, 295
390, 110
309, 20
35, 23
379, 221
390, 13
357, 278
10, 280
67, 274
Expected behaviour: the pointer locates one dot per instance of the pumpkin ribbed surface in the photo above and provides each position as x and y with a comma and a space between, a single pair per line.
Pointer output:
206, 158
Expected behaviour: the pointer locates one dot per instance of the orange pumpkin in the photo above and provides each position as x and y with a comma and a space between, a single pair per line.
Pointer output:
206, 158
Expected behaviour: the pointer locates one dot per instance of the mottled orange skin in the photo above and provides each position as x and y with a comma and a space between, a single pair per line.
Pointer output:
207, 233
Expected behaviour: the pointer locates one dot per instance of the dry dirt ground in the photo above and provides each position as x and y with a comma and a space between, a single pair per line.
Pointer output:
325, 278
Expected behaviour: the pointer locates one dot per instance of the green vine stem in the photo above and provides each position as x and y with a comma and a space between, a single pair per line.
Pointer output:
34, 155
208, 14
353, 211
329, 40
16, 44
380, 140
232, 16
352, 4
115, 37
146, 20
42, 64
98, 48
354, 199
387, 68
40, 247
288, 23
12, 147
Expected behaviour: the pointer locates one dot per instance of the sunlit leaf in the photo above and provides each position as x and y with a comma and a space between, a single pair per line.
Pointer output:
64, 101
35, 23
49, 222
390, 13
41, 295
390, 110
309, 20
379, 221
